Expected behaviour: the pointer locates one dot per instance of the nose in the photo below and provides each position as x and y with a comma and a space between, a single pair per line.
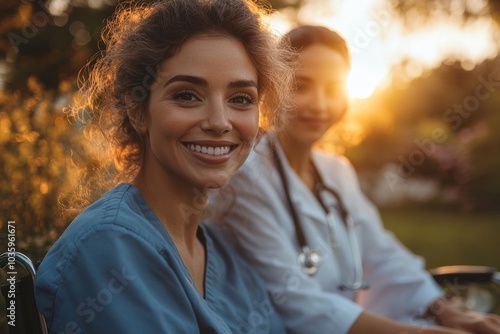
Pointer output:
320, 101
217, 117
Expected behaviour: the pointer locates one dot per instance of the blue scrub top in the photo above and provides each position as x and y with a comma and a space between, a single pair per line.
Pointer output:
116, 270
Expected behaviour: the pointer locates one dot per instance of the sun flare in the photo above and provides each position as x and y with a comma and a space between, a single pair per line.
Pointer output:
378, 40
363, 81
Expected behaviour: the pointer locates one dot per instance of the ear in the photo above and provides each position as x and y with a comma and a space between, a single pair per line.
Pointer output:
136, 116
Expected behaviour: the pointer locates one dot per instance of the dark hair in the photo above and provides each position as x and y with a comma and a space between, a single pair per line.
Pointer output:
139, 37
306, 35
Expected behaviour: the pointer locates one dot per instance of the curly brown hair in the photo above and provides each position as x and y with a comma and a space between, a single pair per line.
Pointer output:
139, 37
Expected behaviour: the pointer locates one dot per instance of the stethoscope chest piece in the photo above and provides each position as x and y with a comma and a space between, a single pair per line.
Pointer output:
309, 260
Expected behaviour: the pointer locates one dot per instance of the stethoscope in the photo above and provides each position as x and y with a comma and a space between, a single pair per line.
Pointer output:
310, 259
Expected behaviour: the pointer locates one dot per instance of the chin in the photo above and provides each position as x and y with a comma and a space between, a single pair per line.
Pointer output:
214, 185
217, 182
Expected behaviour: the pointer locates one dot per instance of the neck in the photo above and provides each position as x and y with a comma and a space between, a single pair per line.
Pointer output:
299, 159
178, 205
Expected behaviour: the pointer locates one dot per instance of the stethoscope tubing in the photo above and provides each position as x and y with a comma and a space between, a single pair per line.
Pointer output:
310, 259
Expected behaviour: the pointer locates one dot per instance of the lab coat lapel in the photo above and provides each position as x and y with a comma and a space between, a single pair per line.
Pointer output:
334, 178
330, 176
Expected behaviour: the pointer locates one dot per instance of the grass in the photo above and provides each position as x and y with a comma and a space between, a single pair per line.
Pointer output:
447, 237
450, 238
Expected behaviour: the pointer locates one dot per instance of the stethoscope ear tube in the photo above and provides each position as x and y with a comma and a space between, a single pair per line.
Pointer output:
281, 171
308, 259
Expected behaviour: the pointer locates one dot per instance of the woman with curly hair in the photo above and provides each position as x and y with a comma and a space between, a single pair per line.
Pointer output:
177, 97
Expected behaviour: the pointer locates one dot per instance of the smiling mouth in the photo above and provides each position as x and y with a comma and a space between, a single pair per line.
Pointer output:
209, 150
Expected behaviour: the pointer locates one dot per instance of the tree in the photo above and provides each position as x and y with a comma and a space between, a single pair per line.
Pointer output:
429, 9
441, 128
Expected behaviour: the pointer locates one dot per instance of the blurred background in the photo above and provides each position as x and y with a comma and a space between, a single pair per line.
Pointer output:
423, 131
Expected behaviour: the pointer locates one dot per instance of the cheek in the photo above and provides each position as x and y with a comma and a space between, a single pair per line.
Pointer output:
300, 102
247, 125
171, 123
338, 108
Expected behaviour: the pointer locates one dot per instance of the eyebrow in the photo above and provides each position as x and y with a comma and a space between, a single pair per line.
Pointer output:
204, 83
242, 83
309, 79
187, 78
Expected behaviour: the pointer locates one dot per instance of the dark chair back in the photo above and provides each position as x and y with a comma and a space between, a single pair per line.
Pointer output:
22, 314
475, 288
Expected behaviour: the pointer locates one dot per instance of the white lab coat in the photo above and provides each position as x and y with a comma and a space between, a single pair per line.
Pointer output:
254, 209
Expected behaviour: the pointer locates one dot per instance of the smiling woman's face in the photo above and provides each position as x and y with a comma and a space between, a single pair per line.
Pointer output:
203, 113
320, 96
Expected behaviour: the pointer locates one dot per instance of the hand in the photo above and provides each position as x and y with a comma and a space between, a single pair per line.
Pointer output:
449, 316
374, 324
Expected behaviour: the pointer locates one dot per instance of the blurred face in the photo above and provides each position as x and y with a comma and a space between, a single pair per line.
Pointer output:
203, 113
320, 95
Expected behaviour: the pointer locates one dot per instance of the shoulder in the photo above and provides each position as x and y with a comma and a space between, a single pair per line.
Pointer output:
114, 236
336, 168
333, 160
115, 223
121, 210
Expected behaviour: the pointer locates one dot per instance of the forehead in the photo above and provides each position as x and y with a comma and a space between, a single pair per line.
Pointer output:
222, 57
321, 62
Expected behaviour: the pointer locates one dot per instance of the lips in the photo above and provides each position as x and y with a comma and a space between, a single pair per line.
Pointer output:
313, 123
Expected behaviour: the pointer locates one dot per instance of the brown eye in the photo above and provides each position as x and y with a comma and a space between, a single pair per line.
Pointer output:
184, 96
242, 99
300, 86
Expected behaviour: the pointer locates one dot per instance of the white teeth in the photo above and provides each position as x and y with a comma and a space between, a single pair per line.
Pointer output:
209, 150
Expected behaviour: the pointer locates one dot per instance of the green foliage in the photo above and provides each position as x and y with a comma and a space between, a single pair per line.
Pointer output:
413, 10
442, 127
483, 186
49, 47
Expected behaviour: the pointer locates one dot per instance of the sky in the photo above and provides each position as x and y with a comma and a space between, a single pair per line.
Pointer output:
378, 39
